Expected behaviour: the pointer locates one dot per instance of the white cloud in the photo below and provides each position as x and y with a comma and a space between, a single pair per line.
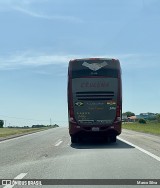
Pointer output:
48, 17
29, 60
8, 5
139, 61
23, 60
27, 7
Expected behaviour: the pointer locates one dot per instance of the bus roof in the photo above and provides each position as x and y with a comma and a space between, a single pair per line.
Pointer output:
85, 59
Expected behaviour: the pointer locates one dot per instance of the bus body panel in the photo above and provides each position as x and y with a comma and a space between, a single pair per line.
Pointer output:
94, 100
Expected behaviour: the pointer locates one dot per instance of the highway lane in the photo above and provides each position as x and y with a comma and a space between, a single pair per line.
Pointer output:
49, 154
148, 142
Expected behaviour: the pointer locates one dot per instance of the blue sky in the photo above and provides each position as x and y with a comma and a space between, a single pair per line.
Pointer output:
39, 37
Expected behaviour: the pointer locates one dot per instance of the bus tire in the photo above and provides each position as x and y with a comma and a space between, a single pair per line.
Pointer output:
74, 139
113, 138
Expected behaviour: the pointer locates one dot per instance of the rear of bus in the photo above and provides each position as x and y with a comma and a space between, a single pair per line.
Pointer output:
94, 98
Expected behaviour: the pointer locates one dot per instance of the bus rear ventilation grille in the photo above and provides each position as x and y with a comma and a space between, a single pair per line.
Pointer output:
95, 95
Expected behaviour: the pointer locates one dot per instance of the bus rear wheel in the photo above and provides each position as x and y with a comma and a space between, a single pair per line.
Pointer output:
113, 138
74, 139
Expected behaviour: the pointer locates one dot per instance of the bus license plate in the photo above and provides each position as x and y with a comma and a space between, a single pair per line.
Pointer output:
95, 128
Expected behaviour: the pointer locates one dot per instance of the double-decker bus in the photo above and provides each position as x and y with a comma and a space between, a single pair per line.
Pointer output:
94, 98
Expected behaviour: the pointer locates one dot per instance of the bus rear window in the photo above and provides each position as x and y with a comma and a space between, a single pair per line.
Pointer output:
80, 69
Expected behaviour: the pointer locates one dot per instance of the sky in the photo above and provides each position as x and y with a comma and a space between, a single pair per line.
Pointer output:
39, 37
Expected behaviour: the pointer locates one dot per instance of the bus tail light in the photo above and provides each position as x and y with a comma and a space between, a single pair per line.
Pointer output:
72, 120
71, 114
71, 111
118, 113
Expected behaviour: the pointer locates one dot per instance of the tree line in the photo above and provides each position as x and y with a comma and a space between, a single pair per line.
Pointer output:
33, 126
156, 117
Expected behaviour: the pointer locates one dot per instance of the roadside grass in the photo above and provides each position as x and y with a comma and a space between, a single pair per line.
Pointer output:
6, 132
149, 127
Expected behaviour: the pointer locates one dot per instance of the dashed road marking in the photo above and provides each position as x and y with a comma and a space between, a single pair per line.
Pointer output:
141, 149
19, 177
58, 143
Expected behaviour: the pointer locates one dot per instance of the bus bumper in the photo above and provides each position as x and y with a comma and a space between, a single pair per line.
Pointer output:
114, 129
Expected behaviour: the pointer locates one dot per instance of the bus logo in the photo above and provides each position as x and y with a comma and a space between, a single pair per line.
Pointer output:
79, 103
95, 66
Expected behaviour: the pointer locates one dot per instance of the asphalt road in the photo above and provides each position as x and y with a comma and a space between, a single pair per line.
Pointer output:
50, 155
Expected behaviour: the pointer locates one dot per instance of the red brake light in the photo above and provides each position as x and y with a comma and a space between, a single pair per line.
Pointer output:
118, 111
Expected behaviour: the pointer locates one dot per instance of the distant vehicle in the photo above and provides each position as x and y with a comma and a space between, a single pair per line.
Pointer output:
94, 98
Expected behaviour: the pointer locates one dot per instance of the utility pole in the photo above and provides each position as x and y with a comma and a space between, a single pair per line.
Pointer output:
50, 121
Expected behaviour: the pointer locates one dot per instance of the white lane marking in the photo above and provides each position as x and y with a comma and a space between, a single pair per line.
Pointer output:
58, 143
141, 149
19, 177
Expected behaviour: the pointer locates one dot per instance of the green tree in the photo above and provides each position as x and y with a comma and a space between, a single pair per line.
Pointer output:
143, 121
55, 125
158, 117
1, 123
129, 114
